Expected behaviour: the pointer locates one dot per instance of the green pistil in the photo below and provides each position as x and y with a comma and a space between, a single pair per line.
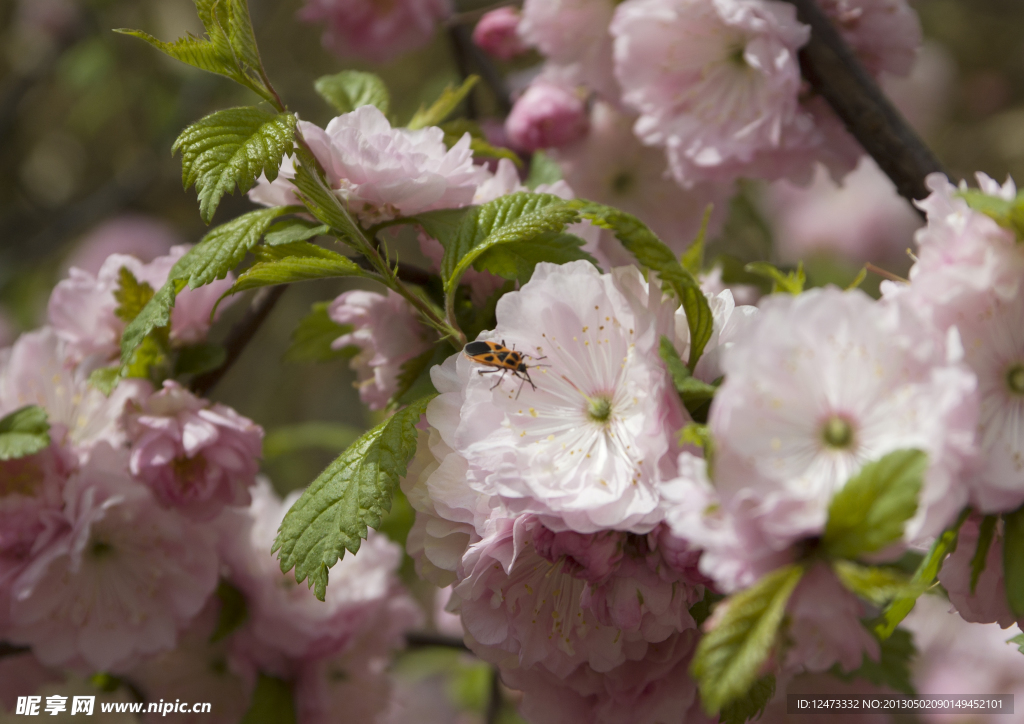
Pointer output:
837, 433
1015, 379
599, 409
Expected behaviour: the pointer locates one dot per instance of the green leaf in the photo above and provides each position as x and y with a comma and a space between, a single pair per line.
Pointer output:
1008, 214
543, 170
156, 314
892, 668
518, 218
232, 148
693, 258
105, 379
986, 533
1017, 640
349, 497
224, 247
875, 584
199, 358
925, 576
149, 360
456, 129
751, 705
312, 339
131, 295
233, 611
858, 280
289, 230
1013, 560
791, 282
693, 392
697, 434
197, 52
871, 510
272, 702
516, 261
444, 106
351, 89
414, 378
701, 611
652, 253
311, 262
24, 432
320, 200
730, 656
331, 436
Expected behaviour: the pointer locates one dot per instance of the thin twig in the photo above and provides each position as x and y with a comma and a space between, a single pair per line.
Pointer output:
884, 273
833, 70
239, 336
7, 649
494, 700
419, 640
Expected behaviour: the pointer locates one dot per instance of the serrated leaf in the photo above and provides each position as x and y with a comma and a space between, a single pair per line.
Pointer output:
197, 52
652, 253
351, 89
872, 508
349, 497
693, 392
272, 702
516, 261
105, 379
231, 148
320, 200
23, 432
305, 265
331, 436
925, 576
875, 584
729, 657
131, 295
543, 170
752, 704
233, 611
518, 218
1013, 560
224, 247
443, 107
289, 230
199, 358
791, 282
892, 668
1018, 641
986, 532
240, 33
156, 314
1008, 214
148, 360
312, 339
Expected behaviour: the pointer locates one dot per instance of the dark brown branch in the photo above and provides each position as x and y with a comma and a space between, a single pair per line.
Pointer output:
831, 68
419, 640
7, 649
239, 336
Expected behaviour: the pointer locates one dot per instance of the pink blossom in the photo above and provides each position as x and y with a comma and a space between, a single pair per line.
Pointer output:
383, 172
388, 332
547, 115
587, 448
83, 309
21, 675
883, 34
122, 582
497, 33
374, 31
861, 220
609, 165
38, 370
195, 456
286, 624
279, 192
143, 237
730, 322
987, 602
826, 625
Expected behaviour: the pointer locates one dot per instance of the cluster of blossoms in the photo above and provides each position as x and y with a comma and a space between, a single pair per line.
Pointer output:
119, 537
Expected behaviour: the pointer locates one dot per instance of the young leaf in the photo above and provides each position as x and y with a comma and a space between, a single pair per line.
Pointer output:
694, 393
224, 247
693, 258
233, 611
156, 314
232, 148
197, 52
351, 89
730, 656
892, 668
751, 705
304, 266
312, 339
320, 200
349, 497
871, 509
790, 282
443, 107
543, 170
272, 702
24, 432
986, 533
131, 295
295, 229
1008, 214
874, 584
1018, 641
516, 261
652, 253
105, 379
518, 218
1013, 560
924, 576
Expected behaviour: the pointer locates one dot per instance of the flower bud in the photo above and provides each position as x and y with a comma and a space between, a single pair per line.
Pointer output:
497, 33
547, 116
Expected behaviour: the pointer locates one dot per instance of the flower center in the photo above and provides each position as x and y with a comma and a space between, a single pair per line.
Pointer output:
1015, 379
599, 409
837, 432
101, 549
738, 56
622, 182
189, 470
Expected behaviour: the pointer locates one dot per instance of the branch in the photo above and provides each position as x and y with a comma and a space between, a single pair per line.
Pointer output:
239, 336
419, 640
7, 649
831, 68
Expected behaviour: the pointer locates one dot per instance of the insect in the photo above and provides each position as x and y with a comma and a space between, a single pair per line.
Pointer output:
503, 360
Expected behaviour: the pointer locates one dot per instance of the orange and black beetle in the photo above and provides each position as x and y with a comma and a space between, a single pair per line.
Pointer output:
501, 359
